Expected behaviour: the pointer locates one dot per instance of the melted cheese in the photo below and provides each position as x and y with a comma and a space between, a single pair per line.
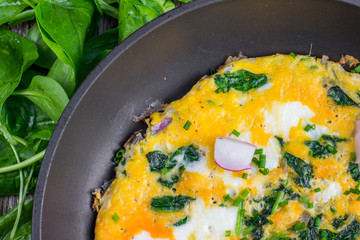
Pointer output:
295, 95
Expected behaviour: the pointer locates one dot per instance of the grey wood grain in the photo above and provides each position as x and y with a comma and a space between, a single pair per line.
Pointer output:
8, 202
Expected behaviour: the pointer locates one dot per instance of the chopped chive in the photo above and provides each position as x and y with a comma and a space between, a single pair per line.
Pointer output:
259, 151
164, 171
187, 125
264, 171
357, 69
292, 54
237, 201
333, 210
317, 221
210, 102
356, 236
305, 58
262, 157
284, 203
245, 175
244, 193
227, 233
358, 199
317, 190
212, 71
347, 192
299, 226
304, 199
115, 217
311, 153
285, 183
236, 133
227, 197
262, 162
312, 67
279, 197
357, 185
255, 161
222, 205
119, 155
353, 156
271, 222
331, 149
308, 127
310, 205
239, 218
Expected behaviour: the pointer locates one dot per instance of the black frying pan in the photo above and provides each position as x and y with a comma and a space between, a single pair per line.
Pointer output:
180, 46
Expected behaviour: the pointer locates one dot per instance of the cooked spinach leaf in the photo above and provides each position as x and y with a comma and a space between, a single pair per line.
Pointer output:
333, 139
317, 149
133, 14
338, 222
354, 171
157, 161
174, 179
190, 154
241, 80
181, 222
340, 97
303, 170
170, 203
281, 141
312, 230
350, 231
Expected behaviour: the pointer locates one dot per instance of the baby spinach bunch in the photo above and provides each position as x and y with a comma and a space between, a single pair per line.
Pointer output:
39, 73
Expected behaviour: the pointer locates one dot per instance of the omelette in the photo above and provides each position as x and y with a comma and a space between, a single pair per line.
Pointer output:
262, 149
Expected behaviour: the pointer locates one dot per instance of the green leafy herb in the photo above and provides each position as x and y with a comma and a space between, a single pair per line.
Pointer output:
245, 175
279, 197
292, 54
340, 97
158, 161
332, 139
187, 125
9, 9
338, 222
281, 141
241, 80
352, 156
170, 203
303, 170
235, 133
181, 222
239, 218
317, 149
115, 217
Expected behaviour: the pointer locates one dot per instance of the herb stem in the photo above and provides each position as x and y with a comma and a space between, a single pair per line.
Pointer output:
20, 165
277, 201
21, 197
20, 140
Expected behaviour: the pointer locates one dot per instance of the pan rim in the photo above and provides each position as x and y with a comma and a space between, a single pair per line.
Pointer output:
87, 84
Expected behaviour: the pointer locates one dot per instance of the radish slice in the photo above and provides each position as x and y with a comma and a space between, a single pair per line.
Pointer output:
233, 155
357, 140
161, 125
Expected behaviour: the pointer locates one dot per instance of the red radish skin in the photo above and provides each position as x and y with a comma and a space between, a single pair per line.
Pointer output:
357, 140
233, 155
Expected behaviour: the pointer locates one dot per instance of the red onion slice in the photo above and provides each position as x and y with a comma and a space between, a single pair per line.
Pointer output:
357, 140
232, 154
161, 125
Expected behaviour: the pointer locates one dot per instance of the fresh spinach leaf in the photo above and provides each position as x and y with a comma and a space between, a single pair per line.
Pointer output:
303, 170
105, 7
18, 114
24, 229
64, 75
95, 50
9, 9
340, 97
24, 16
46, 93
170, 203
354, 171
317, 149
63, 26
185, 1
46, 56
16, 55
241, 80
158, 161
133, 14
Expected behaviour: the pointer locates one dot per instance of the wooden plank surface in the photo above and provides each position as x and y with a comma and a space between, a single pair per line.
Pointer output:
8, 202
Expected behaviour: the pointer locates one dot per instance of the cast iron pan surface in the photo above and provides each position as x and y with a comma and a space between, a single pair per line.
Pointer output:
181, 46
